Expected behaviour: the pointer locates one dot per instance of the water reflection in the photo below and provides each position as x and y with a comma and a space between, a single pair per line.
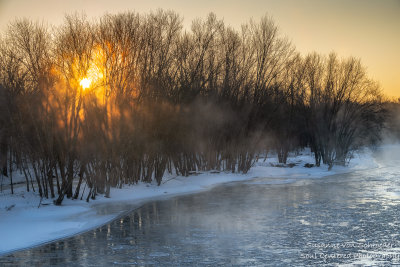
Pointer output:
243, 224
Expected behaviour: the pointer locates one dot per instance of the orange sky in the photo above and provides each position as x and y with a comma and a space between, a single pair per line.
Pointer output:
368, 29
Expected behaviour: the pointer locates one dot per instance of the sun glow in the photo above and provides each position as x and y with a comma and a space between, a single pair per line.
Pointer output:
93, 77
85, 83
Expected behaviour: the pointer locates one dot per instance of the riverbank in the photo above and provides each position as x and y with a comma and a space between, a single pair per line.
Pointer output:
23, 223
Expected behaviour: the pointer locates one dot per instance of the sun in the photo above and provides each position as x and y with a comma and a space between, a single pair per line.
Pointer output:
85, 83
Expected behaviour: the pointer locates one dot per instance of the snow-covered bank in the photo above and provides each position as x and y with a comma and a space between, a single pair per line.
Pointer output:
23, 224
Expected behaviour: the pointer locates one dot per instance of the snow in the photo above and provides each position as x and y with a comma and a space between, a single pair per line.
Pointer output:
24, 224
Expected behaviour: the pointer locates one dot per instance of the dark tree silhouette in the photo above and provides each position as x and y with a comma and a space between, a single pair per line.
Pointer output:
130, 97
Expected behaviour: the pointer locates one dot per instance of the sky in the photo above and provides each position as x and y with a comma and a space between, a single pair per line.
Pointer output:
367, 29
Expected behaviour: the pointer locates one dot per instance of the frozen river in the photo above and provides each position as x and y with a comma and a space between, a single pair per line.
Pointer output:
343, 219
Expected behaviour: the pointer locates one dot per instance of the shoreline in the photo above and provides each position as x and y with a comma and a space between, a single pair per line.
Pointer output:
25, 226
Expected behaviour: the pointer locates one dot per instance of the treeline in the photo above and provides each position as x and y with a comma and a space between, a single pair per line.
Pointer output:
130, 97
391, 129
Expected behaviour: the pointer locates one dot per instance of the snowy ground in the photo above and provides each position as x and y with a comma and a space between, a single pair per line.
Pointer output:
23, 224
